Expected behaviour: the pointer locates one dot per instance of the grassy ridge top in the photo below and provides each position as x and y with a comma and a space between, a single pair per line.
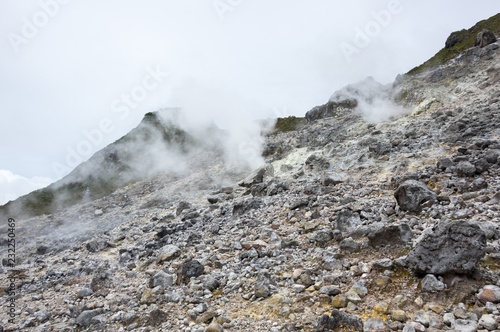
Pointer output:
463, 40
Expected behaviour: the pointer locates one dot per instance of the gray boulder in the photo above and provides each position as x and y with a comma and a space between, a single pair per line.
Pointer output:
432, 284
338, 319
322, 236
485, 38
412, 194
465, 169
181, 207
331, 178
492, 156
349, 245
102, 283
211, 283
390, 235
157, 317
85, 317
451, 247
347, 221
161, 279
168, 253
262, 289
189, 269
444, 163
455, 38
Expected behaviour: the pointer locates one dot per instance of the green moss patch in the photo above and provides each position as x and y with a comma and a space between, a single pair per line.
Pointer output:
288, 124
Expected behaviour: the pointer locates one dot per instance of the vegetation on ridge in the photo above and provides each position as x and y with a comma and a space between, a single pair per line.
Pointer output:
288, 124
457, 42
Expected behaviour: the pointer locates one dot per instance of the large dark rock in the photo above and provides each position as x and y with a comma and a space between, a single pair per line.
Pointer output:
42, 249
390, 235
451, 247
188, 269
412, 194
85, 318
481, 166
454, 38
492, 156
485, 38
322, 236
465, 169
339, 319
243, 206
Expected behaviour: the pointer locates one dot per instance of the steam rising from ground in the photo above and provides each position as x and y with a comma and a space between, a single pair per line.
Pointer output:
203, 106
375, 101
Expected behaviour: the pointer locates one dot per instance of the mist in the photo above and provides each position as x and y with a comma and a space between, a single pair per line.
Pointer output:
203, 106
375, 100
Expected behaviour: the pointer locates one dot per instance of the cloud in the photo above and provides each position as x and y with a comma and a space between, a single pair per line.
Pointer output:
13, 186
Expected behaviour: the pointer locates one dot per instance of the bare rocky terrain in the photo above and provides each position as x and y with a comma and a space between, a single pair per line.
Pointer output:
349, 226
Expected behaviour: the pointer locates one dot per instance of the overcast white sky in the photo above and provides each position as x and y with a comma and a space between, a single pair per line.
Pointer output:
67, 66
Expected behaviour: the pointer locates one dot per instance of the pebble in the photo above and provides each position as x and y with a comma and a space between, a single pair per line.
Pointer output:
399, 315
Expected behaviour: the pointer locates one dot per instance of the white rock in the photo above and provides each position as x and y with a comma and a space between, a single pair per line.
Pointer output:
422, 317
464, 325
448, 318
488, 322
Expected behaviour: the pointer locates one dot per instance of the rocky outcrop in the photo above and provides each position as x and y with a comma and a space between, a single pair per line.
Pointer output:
331, 108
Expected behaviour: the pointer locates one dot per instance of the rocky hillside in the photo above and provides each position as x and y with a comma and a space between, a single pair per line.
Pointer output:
142, 153
350, 225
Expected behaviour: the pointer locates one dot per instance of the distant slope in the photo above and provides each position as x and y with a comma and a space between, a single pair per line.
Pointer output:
457, 42
137, 155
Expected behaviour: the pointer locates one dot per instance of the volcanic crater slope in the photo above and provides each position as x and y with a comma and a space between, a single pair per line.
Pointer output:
348, 226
